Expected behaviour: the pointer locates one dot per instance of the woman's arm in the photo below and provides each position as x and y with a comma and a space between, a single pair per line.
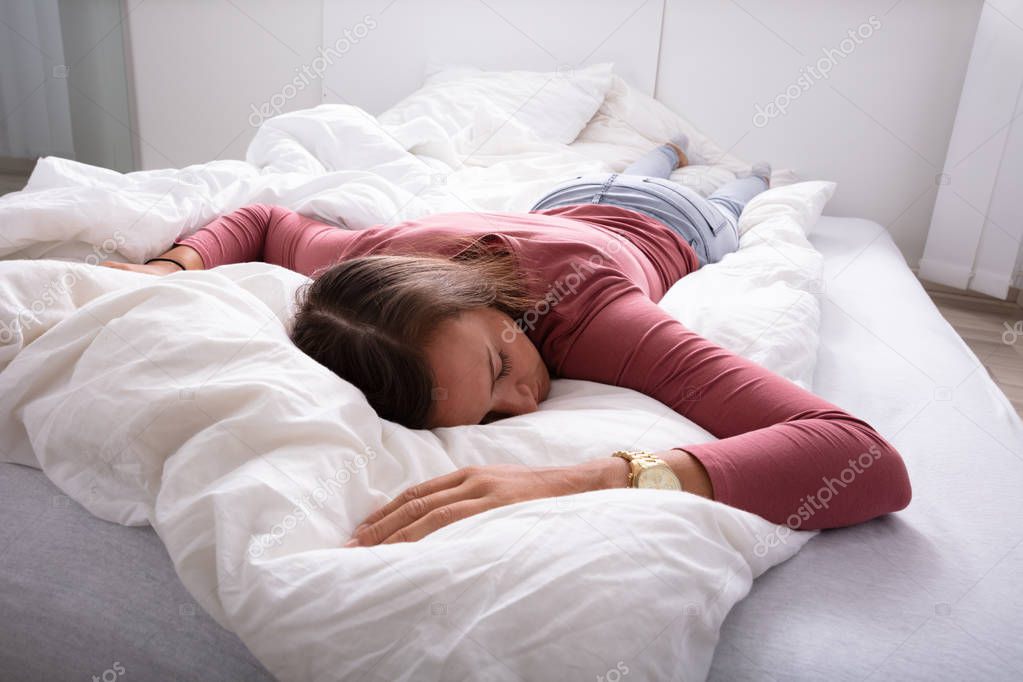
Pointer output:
433, 504
613, 472
237, 237
186, 256
271, 234
784, 453
259, 232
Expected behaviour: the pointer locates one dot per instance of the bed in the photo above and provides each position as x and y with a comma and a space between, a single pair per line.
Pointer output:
249, 517
929, 593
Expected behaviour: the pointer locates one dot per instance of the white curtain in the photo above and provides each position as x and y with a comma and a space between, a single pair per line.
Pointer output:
35, 115
976, 235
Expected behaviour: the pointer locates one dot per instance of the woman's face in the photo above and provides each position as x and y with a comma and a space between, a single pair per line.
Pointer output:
484, 368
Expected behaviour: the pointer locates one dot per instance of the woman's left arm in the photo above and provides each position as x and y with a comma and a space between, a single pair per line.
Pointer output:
429, 506
783, 453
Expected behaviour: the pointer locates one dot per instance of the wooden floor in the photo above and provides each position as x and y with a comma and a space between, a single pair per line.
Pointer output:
992, 328
10, 182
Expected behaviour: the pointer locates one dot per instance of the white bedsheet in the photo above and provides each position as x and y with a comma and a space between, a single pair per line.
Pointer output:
932, 592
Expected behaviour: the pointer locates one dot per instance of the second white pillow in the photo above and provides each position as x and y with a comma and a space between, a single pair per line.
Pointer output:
554, 105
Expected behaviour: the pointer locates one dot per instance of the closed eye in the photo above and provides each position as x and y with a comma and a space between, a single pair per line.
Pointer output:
505, 364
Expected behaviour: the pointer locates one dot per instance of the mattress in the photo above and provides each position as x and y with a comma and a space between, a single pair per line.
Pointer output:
932, 592
929, 592
81, 597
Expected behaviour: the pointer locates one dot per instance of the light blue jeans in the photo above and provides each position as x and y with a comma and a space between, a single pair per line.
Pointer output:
708, 224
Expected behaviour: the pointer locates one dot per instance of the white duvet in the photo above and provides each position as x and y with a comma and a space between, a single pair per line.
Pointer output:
180, 402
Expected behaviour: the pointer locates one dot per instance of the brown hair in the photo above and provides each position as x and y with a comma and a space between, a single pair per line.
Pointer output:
370, 319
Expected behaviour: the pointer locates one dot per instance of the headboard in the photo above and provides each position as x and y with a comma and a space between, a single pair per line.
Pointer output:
397, 38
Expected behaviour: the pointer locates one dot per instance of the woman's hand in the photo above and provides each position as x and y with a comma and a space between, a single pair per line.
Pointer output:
424, 508
188, 257
155, 268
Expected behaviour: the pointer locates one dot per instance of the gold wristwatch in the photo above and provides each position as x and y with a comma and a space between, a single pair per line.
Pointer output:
648, 471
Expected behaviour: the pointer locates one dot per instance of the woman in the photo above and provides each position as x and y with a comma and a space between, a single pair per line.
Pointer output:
463, 318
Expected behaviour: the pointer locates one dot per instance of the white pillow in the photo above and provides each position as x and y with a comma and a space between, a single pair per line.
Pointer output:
555, 105
803, 202
630, 123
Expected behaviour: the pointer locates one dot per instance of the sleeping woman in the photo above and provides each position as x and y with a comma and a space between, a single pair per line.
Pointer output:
464, 318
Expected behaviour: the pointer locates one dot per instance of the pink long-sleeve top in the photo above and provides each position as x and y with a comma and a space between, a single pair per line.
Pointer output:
783, 453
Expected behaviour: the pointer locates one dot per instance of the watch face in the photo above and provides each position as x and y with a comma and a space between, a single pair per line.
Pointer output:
659, 477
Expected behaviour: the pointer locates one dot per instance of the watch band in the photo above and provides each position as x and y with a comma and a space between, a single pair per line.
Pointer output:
629, 456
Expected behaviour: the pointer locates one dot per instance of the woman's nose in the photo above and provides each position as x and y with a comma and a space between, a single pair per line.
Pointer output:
518, 399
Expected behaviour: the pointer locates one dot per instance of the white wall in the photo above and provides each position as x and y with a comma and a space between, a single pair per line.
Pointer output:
879, 125
533, 35
201, 66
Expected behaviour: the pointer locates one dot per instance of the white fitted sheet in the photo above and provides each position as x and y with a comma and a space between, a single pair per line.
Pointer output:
932, 592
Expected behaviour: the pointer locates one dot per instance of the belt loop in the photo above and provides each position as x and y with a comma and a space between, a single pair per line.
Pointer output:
599, 196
